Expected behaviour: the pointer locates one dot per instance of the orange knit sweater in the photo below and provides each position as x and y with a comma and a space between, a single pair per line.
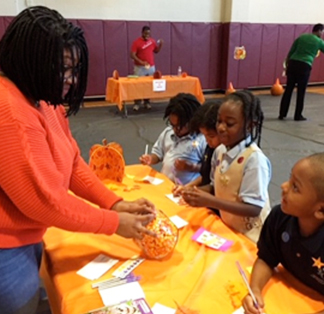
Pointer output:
39, 163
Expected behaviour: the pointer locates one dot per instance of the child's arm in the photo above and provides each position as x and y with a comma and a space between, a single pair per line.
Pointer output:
261, 274
198, 198
149, 159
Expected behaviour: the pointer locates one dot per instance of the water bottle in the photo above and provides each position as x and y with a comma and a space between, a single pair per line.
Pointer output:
179, 71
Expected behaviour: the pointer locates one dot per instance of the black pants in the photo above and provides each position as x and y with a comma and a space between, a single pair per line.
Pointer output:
297, 73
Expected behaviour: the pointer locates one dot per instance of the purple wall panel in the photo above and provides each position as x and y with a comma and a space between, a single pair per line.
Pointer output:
2, 26
232, 64
201, 49
162, 30
248, 69
116, 54
181, 43
215, 57
93, 32
285, 40
201, 52
267, 72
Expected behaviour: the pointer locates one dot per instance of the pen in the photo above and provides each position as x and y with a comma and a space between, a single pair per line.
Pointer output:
146, 149
255, 302
118, 283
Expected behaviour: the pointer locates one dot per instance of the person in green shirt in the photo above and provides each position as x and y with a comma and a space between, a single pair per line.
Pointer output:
299, 65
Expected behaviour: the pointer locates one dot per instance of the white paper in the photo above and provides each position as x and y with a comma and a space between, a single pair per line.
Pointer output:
240, 310
175, 199
96, 268
159, 85
152, 180
162, 309
178, 221
115, 295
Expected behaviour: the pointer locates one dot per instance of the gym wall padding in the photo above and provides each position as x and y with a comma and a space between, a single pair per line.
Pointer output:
205, 50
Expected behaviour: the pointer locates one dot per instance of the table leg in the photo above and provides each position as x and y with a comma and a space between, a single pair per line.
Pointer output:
124, 110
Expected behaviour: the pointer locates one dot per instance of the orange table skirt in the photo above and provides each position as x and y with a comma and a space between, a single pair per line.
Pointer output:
194, 276
126, 89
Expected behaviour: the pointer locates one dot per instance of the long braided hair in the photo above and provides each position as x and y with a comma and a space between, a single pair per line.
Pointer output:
31, 55
252, 111
183, 106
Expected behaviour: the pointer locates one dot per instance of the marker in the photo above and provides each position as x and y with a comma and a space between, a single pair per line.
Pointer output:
255, 302
146, 149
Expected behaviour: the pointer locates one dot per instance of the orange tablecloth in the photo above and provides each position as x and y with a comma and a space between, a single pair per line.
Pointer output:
125, 89
194, 276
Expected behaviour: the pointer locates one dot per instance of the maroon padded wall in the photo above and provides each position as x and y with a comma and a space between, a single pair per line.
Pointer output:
205, 50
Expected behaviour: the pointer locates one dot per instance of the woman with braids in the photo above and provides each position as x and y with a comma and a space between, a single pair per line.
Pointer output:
180, 151
44, 63
241, 171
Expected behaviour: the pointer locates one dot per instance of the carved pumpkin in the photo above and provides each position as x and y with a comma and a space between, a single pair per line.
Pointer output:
277, 89
107, 161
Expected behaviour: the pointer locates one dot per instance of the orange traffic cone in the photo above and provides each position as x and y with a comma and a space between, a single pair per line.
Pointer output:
230, 89
277, 89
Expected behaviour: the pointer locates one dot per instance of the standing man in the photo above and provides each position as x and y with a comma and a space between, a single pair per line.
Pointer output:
299, 65
142, 53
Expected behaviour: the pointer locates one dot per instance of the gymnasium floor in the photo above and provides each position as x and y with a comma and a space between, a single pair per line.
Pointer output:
284, 142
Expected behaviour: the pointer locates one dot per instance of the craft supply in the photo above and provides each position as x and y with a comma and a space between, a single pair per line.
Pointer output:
146, 149
211, 240
126, 268
111, 280
255, 302
120, 282
97, 267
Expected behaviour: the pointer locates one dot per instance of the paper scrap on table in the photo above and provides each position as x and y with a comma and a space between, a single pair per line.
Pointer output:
178, 221
240, 310
162, 309
175, 199
128, 291
152, 180
97, 267
249, 269
212, 240
126, 268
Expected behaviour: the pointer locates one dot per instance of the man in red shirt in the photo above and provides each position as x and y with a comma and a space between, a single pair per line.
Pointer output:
142, 53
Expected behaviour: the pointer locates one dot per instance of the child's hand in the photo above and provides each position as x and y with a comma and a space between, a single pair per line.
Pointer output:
182, 165
195, 197
249, 307
146, 160
177, 190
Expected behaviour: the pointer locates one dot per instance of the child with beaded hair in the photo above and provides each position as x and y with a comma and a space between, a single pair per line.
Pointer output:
180, 151
241, 171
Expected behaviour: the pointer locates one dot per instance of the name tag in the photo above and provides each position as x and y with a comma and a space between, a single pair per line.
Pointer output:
159, 85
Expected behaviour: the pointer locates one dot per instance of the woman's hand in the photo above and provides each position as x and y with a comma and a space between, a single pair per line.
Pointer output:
196, 198
133, 226
139, 206
249, 306
146, 159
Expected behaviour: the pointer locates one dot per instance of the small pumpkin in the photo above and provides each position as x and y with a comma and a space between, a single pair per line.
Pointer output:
115, 75
277, 89
184, 74
157, 75
107, 161
230, 89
